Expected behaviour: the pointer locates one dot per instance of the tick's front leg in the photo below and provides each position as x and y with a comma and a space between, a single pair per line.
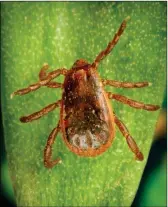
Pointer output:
54, 85
130, 141
48, 163
43, 75
133, 103
40, 113
43, 82
119, 84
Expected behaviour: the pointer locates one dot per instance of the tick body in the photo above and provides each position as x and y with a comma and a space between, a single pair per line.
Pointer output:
87, 121
86, 117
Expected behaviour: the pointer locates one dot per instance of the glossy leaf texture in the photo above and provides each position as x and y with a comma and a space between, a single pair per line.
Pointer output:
59, 33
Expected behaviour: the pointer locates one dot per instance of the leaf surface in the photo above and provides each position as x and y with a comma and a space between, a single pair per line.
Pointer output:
59, 33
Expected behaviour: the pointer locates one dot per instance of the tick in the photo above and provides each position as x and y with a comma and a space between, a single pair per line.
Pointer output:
87, 121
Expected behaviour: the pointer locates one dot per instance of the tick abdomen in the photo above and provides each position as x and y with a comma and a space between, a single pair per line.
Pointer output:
85, 113
86, 129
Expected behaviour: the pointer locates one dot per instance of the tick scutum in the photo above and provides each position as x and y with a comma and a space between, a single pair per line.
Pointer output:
86, 116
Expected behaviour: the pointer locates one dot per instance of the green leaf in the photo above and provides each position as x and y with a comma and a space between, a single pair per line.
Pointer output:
59, 33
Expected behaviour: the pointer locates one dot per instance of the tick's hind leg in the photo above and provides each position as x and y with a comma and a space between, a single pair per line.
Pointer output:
40, 113
132, 103
130, 141
111, 44
48, 163
119, 84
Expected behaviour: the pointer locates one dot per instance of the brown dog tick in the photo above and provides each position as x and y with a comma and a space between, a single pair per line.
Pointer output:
87, 121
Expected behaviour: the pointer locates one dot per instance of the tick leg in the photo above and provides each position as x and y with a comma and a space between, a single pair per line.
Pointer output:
130, 141
43, 82
54, 85
48, 163
40, 113
43, 75
132, 103
111, 44
119, 84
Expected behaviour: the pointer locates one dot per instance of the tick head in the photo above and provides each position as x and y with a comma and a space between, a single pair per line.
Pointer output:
80, 63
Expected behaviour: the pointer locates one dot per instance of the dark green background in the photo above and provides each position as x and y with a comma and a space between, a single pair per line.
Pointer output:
59, 33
